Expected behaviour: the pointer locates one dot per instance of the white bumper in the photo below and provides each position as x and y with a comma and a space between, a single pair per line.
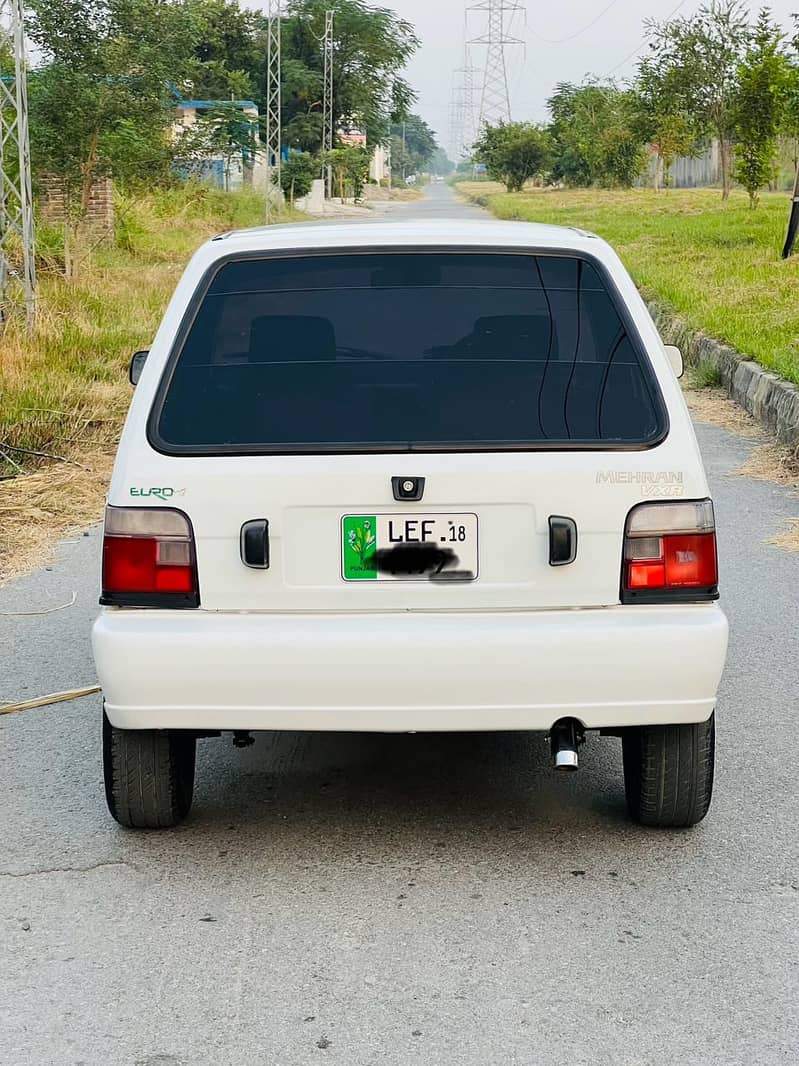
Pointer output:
399, 672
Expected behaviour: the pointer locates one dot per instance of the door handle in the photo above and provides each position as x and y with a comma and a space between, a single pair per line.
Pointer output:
254, 541
562, 540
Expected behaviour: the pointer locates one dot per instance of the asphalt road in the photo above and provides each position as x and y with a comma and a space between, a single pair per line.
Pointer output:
439, 900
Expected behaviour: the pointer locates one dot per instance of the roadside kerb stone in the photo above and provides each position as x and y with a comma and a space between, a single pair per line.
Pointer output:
767, 397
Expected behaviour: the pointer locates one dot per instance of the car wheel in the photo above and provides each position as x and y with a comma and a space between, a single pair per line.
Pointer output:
668, 772
149, 775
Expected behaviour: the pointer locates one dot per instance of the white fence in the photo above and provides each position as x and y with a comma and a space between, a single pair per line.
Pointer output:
704, 169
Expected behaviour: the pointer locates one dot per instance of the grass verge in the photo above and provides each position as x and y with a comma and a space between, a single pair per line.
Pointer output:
65, 390
717, 265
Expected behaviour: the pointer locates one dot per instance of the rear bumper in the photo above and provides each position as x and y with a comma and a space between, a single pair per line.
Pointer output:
399, 672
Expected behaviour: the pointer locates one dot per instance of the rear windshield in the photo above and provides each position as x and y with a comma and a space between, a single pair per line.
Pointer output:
394, 351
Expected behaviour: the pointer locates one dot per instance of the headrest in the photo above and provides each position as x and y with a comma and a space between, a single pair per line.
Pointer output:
515, 334
498, 336
286, 338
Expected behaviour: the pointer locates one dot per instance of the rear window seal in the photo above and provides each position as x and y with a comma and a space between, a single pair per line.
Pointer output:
177, 450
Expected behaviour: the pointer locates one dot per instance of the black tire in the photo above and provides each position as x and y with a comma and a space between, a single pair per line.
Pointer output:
149, 775
668, 772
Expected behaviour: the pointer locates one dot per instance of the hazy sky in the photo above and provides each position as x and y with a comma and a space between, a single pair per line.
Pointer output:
602, 48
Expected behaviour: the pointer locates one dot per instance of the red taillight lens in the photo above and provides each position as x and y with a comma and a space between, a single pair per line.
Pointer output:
670, 548
691, 561
148, 558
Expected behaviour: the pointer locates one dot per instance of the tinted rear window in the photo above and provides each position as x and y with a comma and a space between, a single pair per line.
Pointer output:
400, 351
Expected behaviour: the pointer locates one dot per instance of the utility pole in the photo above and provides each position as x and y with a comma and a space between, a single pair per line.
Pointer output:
273, 107
327, 121
793, 221
495, 98
16, 199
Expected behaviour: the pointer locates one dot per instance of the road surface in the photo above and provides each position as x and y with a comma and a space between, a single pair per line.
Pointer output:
386, 900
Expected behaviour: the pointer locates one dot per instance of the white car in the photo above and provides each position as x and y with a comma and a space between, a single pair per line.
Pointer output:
405, 477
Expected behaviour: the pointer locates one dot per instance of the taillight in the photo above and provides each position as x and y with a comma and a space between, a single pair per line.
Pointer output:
670, 553
148, 558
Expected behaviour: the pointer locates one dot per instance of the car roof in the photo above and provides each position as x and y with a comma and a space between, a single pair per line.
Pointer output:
489, 233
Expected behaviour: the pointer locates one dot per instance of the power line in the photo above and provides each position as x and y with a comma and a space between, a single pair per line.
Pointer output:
643, 41
577, 33
517, 65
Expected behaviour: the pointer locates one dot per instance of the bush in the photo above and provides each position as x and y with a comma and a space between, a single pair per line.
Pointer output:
350, 170
514, 152
297, 174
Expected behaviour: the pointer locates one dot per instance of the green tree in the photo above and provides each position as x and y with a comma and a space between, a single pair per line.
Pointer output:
302, 105
763, 84
704, 53
297, 174
350, 165
664, 115
574, 109
226, 52
413, 144
790, 115
514, 152
225, 131
370, 49
597, 134
99, 101
440, 163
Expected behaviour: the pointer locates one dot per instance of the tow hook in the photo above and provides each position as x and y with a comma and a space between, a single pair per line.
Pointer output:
565, 736
242, 738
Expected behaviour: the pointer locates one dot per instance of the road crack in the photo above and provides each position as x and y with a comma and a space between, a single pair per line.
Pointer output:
66, 869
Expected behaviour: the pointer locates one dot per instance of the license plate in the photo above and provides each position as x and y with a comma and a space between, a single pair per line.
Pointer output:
409, 547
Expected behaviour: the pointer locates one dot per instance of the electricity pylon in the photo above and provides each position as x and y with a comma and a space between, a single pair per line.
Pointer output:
463, 120
273, 106
327, 120
495, 97
17, 285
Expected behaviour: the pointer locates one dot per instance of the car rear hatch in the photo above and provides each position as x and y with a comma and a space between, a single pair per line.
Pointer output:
407, 430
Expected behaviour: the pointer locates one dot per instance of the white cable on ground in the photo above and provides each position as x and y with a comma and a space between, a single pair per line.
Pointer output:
46, 610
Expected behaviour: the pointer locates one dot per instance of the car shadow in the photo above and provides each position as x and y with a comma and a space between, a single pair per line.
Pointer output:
296, 800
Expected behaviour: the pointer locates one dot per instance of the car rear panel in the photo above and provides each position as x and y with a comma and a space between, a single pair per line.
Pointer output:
513, 487
391, 671
305, 498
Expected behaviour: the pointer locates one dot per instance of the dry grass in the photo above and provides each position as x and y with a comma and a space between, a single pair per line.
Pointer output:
65, 390
39, 509
714, 407
771, 462
768, 462
379, 194
789, 540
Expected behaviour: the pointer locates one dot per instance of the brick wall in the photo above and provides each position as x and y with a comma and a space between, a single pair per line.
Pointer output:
100, 216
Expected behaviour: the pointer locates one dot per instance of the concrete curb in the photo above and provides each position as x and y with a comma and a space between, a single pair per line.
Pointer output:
767, 397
